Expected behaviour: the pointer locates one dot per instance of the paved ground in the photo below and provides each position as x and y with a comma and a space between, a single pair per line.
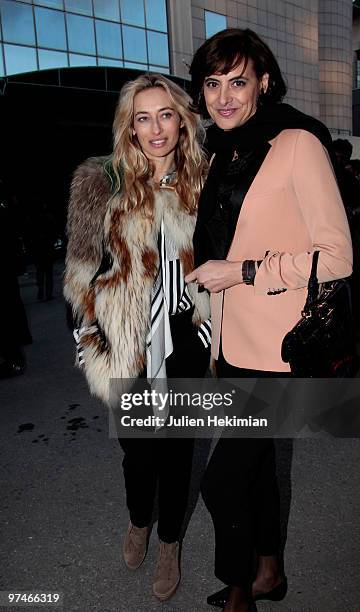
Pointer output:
62, 498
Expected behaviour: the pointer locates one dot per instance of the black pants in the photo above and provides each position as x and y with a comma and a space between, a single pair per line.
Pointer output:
240, 490
166, 462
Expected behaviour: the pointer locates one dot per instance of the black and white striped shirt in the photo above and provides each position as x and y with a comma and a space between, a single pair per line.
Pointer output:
170, 296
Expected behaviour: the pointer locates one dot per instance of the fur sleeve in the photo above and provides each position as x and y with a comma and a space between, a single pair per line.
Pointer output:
89, 194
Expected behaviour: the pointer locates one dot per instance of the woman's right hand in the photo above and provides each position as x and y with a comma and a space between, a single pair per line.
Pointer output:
217, 275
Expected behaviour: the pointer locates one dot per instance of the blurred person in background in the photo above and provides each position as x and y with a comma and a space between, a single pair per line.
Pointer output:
15, 331
349, 187
353, 166
43, 236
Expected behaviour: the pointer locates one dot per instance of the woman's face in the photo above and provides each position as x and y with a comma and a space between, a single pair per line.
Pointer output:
156, 123
231, 99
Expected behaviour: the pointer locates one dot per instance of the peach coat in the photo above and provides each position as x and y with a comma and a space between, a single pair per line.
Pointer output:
292, 208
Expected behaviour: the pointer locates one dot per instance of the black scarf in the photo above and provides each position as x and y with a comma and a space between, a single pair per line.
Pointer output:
229, 179
265, 124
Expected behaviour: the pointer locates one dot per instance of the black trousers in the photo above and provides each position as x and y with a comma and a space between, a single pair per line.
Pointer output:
166, 462
240, 490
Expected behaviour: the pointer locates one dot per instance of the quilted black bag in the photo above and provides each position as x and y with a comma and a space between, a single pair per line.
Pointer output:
322, 343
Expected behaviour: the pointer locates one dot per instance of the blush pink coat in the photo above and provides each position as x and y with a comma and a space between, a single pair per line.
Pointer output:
292, 208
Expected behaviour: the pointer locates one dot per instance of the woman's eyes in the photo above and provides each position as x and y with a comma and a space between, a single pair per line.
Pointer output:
167, 115
239, 83
215, 84
211, 84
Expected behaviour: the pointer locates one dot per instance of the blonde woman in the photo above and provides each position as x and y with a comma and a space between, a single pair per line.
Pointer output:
130, 227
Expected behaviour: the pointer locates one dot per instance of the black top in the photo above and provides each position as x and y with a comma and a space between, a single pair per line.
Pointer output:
239, 155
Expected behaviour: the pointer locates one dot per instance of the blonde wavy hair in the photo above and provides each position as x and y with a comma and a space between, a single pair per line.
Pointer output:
131, 166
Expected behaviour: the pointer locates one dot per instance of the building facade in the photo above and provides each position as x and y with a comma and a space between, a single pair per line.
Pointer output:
356, 72
47, 34
313, 41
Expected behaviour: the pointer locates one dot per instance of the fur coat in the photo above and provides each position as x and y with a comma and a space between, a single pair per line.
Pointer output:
116, 303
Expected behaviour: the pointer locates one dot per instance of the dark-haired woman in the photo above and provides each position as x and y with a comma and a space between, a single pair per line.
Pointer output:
269, 202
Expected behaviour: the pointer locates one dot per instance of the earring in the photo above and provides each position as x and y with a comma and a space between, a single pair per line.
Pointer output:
260, 96
262, 91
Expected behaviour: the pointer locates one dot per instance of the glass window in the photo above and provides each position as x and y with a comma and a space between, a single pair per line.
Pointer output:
108, 38
81, 60
156, 15
17, 23
80, 6
2, 72
52, 59
214, 22
19, 59
132, 11
80, 34
105, 61
158, 48
159, 69
134, 44
59, 4
50, 28
108, 9
142, 67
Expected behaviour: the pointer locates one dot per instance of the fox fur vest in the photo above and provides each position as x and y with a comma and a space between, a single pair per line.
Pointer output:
114, 297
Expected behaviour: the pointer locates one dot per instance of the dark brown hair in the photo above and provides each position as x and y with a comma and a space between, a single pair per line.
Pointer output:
223, 52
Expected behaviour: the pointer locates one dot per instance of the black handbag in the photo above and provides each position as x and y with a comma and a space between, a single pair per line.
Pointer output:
322, 343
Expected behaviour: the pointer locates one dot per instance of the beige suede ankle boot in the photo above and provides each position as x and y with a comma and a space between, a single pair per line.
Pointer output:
167, 573
135, 546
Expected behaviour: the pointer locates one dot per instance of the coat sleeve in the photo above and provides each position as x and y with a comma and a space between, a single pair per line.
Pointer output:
89, 194
323, 211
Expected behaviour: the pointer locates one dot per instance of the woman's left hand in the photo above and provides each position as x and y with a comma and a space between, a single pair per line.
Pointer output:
216, 275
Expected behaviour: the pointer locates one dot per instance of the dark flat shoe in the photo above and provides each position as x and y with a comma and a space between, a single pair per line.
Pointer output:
9, 369
222, 599
276, 594
219, 599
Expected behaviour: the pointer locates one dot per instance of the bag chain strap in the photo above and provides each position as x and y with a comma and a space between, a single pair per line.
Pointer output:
313, 286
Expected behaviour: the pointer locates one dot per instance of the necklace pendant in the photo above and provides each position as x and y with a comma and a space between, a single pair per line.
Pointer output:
167, 179
235, 156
